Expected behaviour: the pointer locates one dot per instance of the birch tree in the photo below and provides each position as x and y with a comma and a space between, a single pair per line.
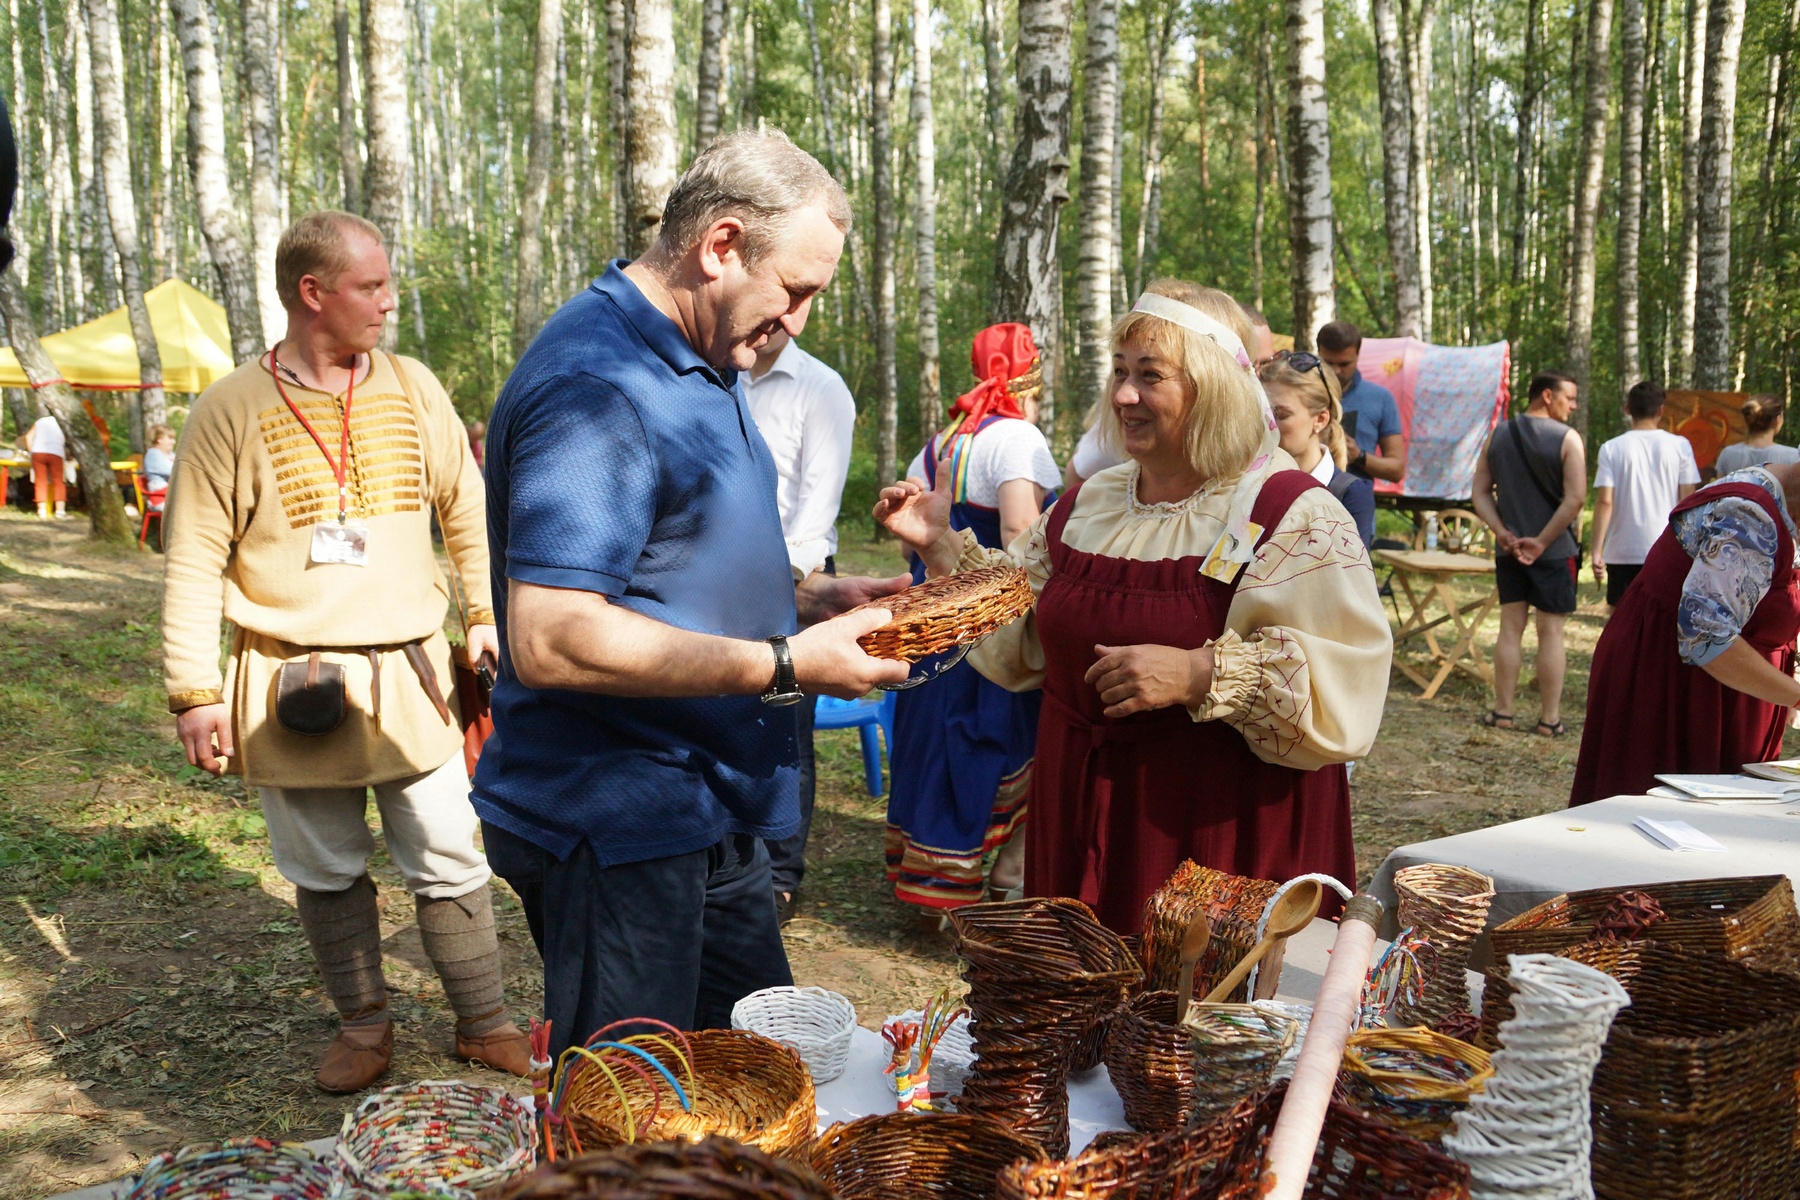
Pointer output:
528, 285
384, 112
1396, 178
881, 178
1525, 124
121, 203
709, 100
349, 140
1158, 28
1589, 164
1693, 85
1631, 187
1093, 269
106, 510
1309, 173
650, 81
1027, 280
1712, 288
262, 99
925, 220
212, 180
1420, 16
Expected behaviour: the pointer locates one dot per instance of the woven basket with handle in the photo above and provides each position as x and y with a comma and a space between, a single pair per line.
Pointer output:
950, 611
1232, 903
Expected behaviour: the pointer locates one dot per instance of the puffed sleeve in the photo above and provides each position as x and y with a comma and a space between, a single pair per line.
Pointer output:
1302, 668
1733, 544
1012, 656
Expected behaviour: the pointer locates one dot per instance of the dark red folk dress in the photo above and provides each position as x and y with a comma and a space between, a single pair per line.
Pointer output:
1648, 712
1117, 804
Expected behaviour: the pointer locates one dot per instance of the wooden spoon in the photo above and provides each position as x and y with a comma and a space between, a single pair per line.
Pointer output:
1293, 912
1193, 945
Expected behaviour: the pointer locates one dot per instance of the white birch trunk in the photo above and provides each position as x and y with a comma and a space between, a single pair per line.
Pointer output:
1027, 277
212, 180
262, 97
1396, 179
651, 83
1157, 30
1712, 288
1693, 83
1418, 19
993, 60
881, 154
1579, 352
384, 111
1525, 122
89, 220
1631, 189
618, 108
1309, 176
528, 284
925, 221
349, 140
1093, 270
709, 100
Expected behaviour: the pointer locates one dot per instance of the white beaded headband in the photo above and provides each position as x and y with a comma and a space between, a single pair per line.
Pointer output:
1192, 319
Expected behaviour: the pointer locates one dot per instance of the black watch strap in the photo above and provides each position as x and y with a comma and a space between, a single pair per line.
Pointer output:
784, 689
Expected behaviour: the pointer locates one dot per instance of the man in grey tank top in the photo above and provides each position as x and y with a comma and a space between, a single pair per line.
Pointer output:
1530, 482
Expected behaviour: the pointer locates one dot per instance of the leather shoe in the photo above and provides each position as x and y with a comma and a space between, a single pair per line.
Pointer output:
357, 1057
504, 1049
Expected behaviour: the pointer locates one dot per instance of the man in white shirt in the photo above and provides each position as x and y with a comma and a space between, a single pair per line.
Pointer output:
1641, 475
807, 416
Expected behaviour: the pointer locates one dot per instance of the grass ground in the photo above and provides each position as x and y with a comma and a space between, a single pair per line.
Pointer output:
154, 985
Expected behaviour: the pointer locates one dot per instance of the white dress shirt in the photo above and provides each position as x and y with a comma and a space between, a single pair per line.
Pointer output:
807, 416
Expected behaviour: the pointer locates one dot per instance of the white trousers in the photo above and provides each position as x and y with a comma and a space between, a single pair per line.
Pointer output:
321, 839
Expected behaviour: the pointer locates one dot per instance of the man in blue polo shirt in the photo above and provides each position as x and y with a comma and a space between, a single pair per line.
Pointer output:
1380, 451
641, 750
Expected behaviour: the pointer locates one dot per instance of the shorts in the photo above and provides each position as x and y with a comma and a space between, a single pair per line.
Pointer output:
1618, 578
1548, 587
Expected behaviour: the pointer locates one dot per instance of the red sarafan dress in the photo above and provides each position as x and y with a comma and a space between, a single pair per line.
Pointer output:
1650, 713
1252, 782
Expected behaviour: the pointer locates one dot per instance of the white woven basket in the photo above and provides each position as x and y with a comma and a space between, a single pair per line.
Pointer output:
951, 1062
815, 1022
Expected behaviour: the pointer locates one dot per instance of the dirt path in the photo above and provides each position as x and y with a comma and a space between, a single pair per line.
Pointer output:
154, 985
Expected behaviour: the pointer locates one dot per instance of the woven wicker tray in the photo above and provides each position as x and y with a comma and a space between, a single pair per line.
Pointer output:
944, 613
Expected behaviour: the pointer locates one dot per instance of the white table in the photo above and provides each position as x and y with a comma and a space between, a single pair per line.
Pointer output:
1595, 846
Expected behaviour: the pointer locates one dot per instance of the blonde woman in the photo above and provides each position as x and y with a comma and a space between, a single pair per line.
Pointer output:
1207, 635
1309, 415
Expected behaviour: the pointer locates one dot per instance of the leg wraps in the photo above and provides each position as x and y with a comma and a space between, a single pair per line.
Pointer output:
345, 931
459, 936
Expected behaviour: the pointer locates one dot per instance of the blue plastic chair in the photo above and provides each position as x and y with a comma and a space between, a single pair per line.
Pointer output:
865, 716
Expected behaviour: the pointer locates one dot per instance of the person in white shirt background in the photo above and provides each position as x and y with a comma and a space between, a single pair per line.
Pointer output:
1093, 455
48, 450
807, 416
1641, 475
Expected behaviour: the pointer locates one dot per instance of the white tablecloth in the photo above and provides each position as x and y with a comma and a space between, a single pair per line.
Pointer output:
1594, 846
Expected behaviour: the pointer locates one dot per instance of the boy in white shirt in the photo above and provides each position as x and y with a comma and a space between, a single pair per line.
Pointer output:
1642, 474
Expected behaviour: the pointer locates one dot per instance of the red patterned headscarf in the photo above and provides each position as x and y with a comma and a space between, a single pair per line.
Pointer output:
1005, 360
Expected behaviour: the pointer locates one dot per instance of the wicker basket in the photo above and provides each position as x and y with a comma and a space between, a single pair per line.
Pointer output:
1618, 959
1180, 1164
239, 1169
950, 611
812, 1020
900, 1156
1233, 905
742, 1085
1732, 918
1448, 907
1359, 1158
1695, 1096
1236, 1048
436, 1134
1041, 972
1414, 1079
1151, 1062
715, 1168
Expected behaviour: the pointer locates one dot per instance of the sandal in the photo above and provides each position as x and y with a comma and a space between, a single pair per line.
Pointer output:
1495, 716
1546, 729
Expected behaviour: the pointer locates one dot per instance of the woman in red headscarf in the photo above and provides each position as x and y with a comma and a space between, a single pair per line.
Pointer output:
962, 746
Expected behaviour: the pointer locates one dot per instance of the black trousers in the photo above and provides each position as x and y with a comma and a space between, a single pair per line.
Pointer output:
787, 856
680, 939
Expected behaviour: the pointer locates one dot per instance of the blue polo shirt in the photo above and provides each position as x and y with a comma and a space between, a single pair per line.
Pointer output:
620, 463
1377, 413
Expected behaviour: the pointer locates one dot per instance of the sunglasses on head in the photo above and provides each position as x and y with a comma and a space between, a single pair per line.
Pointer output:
1303, 361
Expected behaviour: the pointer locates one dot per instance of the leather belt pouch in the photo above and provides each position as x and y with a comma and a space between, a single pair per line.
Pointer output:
309, 696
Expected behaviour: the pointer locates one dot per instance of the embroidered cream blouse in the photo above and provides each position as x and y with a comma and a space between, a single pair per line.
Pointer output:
1302, 668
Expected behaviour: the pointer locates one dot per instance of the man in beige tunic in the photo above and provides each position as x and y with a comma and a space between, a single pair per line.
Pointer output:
300, 511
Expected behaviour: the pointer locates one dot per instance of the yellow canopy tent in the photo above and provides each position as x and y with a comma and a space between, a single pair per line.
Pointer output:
191, 335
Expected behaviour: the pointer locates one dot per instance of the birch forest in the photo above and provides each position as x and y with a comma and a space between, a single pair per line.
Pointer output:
1608, 184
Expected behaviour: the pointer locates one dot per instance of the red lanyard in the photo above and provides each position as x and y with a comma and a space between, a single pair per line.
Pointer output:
339, 467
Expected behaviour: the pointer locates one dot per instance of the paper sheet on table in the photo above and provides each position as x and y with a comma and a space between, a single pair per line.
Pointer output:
1737, 788
1676, 835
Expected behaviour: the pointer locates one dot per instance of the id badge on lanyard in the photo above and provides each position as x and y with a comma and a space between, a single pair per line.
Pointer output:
345, 542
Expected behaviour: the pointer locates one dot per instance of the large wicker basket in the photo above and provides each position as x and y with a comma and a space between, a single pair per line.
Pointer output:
1150, 1060
1446, 906
1233, 905
1732, 918
743, 1086
239, 1169
715, 1168
950, 611
901, 1156
1189, 1163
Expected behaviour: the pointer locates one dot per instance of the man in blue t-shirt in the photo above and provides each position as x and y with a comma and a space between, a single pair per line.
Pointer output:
642, 750
1369, 408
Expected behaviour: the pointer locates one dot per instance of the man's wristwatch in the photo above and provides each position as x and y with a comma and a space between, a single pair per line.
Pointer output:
784, 690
